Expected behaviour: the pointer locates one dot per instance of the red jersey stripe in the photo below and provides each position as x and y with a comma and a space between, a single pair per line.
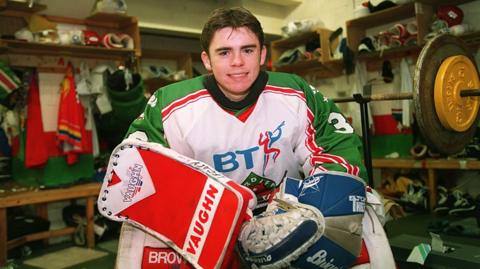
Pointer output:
191, 98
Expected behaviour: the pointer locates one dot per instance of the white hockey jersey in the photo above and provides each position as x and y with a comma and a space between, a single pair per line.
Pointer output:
284, 127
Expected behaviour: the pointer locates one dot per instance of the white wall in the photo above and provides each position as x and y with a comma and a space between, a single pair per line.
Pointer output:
188, 16
182, 16
333, 14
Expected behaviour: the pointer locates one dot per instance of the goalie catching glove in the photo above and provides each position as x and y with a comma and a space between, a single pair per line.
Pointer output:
279, 235
327, 208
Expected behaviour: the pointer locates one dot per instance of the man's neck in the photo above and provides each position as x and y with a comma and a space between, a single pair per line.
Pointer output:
233, 97
236, 102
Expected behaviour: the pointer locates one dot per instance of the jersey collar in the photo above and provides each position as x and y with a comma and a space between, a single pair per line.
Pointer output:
255, 90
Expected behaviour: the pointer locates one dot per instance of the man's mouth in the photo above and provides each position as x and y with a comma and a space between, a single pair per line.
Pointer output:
238, 75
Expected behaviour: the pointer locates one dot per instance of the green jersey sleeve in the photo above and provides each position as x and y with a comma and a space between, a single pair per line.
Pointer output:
341, 147
149, 124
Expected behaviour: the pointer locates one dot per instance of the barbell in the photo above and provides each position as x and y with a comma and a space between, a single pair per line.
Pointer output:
445, 94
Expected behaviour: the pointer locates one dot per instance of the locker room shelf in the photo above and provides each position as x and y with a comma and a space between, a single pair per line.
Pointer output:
328, 69
324, 65
427, 163
41, 198
31, 48
19, 8
431, 166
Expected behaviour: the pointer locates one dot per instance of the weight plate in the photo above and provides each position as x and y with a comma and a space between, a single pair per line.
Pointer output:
456, 73
436, 136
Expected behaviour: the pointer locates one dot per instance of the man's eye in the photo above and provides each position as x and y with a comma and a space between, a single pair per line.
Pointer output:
248, 51
223, 53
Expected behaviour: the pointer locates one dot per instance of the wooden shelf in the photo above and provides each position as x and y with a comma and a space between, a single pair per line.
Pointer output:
41, 198
472, 39
398, 52
442, 2
461, 164
421, 13
324, 66
12, 18
164, 54
328, 69
108, 22
431, 166
374, 60
40, 235
283, 2
22, 47
153, 84
14, 8
385, 16
109, 17
292, 42
28, 197
182, 58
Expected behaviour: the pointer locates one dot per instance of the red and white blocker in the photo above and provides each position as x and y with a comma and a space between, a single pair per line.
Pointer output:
185, 203
138, 249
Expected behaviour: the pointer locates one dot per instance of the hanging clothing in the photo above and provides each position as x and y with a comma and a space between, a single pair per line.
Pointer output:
406, 86
8, 81
36, 151
55, 171
71, 133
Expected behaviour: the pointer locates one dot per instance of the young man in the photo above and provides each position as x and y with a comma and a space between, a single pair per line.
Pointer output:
255, 127
246, 122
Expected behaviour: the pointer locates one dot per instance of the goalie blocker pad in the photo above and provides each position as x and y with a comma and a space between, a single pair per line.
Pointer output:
340, 197
185, 203
138, 249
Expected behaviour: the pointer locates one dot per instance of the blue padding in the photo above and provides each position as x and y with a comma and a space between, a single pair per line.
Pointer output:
333, 194
292, 185
290, 243
324, 254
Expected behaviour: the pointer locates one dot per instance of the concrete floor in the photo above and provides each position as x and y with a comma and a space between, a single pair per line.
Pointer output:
404, 233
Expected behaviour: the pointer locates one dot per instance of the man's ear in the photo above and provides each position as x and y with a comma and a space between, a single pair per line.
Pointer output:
206, 61
263, 55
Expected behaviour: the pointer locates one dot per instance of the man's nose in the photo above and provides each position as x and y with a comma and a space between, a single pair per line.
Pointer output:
237, 58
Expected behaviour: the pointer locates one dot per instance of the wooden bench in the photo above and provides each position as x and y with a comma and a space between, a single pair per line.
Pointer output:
40, 198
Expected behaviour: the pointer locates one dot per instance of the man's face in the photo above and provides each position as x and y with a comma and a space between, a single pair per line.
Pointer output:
235, 59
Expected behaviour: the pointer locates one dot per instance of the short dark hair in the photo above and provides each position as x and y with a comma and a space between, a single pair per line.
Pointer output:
234, 17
